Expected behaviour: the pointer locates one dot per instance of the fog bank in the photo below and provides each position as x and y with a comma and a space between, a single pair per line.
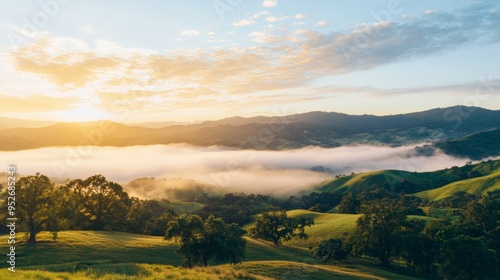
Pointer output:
270, 172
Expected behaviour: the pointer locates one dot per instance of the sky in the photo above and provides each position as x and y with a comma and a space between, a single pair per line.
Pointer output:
190, 60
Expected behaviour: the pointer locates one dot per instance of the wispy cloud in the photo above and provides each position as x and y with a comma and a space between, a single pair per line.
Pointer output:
279, 58
270, 3
322, 23
259, 14
243, 22
190, 32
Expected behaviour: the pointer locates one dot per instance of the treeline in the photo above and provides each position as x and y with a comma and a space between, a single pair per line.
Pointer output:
98, 204
91, 204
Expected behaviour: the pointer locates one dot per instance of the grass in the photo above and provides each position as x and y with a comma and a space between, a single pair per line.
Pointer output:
422, 180
326, 225
78, 246
131, 271
258, 270
114, 255
329, 225
479, 186
353, 269
117, 247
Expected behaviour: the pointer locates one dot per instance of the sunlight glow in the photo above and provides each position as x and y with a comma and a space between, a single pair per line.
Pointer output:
82, 114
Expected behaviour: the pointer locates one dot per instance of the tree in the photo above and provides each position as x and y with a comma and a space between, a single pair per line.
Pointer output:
202, 241
188, 230
378, 232
465, 257
33, 198
276, 226
97, 204
331, 249
419, 250
222, 242
349, 204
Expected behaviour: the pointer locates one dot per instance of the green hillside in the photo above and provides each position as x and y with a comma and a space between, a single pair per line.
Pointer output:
326, 225
410, 182
114, 255
122, 271
479, 186
476, 146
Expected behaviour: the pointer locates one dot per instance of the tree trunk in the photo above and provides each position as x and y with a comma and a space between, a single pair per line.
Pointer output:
32, 238
31, 224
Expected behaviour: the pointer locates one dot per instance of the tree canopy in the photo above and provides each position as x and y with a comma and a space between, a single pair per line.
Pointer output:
276, 226
33, 198
201, 241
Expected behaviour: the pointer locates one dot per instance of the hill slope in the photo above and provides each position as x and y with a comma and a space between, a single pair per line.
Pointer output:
410, 182
479, 186
476, 146
114, 255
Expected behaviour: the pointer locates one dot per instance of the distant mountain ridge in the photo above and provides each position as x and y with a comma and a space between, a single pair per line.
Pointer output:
268, 133
6, 123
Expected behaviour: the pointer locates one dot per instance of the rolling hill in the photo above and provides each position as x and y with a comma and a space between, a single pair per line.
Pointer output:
479, 186
114, 255
476, 146
267, 133
414, 182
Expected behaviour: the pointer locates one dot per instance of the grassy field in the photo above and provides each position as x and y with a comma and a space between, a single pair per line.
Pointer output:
326, 225
77, 246
479, 186
258, 270
108, 271
113, 255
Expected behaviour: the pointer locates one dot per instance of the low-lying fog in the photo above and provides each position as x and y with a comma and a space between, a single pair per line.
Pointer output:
267, 172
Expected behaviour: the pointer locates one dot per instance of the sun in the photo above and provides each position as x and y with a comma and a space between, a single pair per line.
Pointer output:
81, 114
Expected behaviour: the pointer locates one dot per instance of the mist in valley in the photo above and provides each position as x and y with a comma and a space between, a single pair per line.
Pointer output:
167, 169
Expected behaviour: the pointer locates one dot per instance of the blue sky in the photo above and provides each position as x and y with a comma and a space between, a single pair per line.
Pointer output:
134, 61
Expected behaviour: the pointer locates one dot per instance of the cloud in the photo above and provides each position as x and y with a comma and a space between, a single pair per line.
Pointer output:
243, 22
322, 23
35, 103
190, 32
270, 3
275, 19
259, 14
280, 59
268, 172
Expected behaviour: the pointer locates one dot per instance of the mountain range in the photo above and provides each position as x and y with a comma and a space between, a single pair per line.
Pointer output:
441, 126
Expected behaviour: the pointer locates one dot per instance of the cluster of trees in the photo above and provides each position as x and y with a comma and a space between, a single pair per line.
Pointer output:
360, 203
91, 204
235, 208
201, 241
213, 239
467, 248
275, 225
239, 208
